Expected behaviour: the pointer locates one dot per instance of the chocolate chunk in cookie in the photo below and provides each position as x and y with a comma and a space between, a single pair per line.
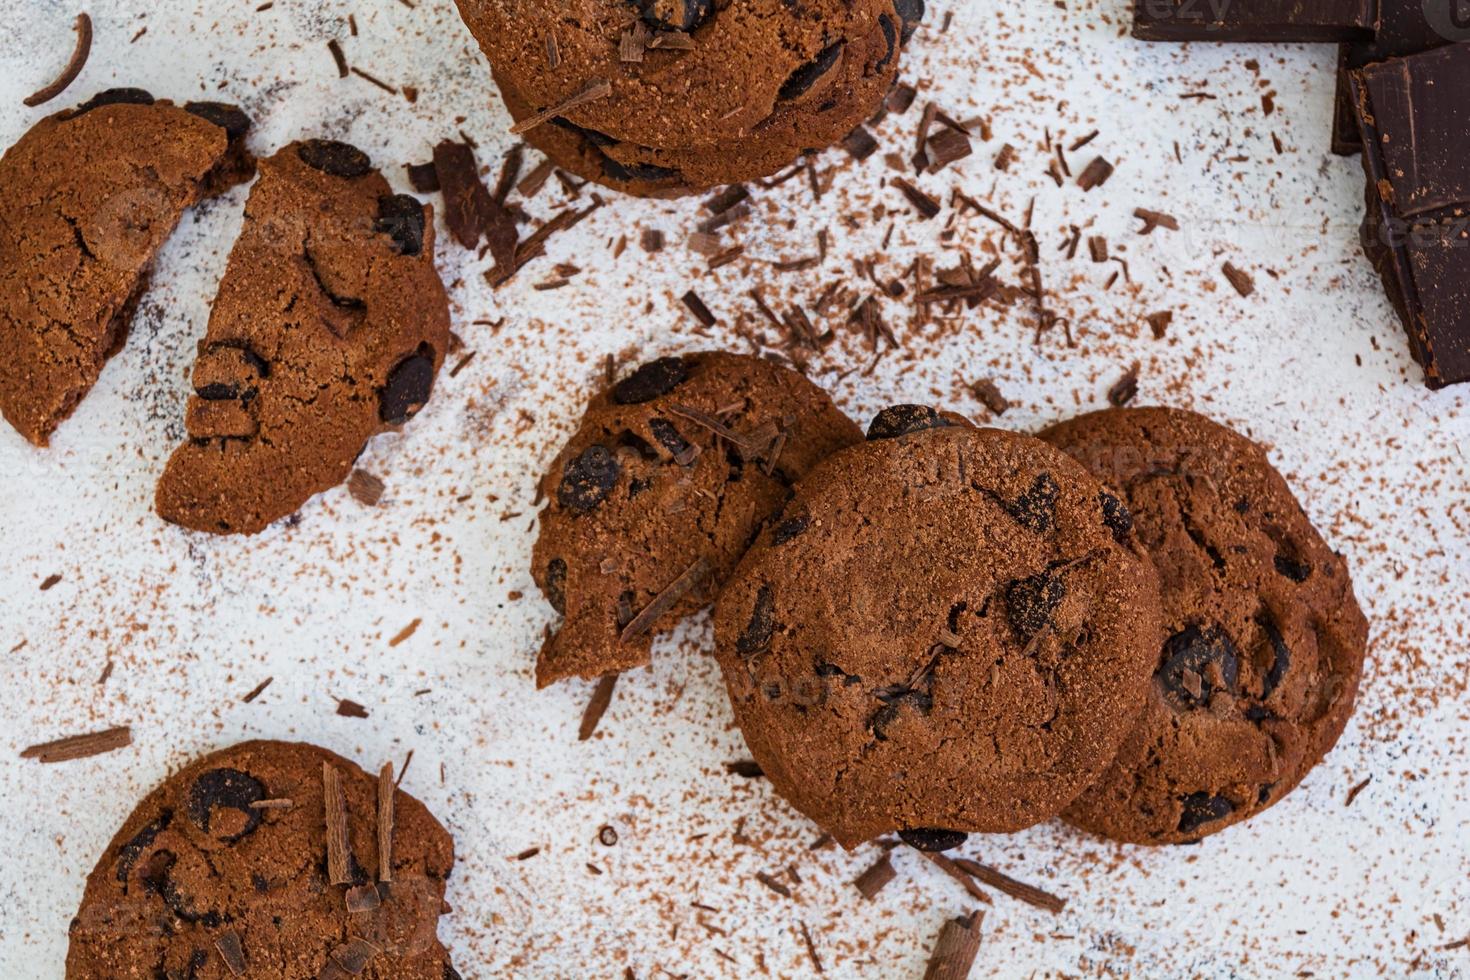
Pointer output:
650, 505
921, 653
87, 198
1257, 669
330, 326
232, 868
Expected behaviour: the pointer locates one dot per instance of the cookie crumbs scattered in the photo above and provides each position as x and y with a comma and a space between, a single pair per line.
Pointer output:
1126, 387
365, 488
49, 581
73, 67
334, 806
876, 878
1353, 793
597, 707
80, 746
665, 600
406, 632
955, 951
1007, 885
1244, 284
232, 952
599, 89
745, 769
1095, 174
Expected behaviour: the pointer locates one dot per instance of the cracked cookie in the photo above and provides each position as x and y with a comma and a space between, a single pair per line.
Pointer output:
946, 630
1263, 641
669, 476
693, 93
87, 198
269, 859
330, 326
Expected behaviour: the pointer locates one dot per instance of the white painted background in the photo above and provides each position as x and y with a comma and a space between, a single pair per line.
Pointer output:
1313, 364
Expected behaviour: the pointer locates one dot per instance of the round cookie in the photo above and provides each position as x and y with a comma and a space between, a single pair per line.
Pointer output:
947, 630
225, 871
1263, 644
660, 491
750, 87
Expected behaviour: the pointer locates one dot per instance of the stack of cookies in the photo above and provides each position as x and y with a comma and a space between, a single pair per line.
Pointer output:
667, 97
940, 629
1403, 69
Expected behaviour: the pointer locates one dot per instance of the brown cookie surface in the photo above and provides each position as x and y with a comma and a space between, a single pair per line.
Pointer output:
947, 630
87, 198
330, 326
715, 92
656, 496
225, 870
1263, 641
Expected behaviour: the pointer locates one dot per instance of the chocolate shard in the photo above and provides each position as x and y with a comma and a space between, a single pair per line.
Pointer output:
1405, 27
1254, 20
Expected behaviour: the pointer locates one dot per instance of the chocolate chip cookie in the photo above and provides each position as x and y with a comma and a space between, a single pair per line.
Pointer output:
947, 630
1263, 641
657, 495
703, 91
330, 326
269, 859
87, 198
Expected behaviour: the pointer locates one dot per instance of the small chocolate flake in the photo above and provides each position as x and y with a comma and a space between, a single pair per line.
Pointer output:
1125, 389
1240, 279
365, 488
374, 80
1159, 323
597, 707
341, 59
954, 953
652, 240
1097, 247
770, 882
80, 746
860, 144
727, 199
665, 600
950, 868
900, 99
49, 581
334, 806
257, 690
989, 396
696, 306
1153, 220
350, 709
423, 178
363, 898
745, 769
876, 878
811, 949
1353, 793
532, 183
528, 853
386, 787
405, 633
1005, 157
947, 147
1007, 885
599, 89
927, 206
1095, 174
73, 67
232, 952
283, 803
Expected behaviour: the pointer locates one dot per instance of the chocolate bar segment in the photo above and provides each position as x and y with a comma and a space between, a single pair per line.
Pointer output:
1255, 20
1414, 118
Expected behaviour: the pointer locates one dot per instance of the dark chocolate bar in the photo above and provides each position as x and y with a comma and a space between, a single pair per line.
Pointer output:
1254, 20
1405, 27
1414, 115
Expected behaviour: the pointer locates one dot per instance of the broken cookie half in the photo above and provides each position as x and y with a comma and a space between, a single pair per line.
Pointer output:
330, 327
87, 199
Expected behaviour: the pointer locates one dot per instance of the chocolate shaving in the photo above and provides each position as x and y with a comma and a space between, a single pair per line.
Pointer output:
599, 89
535, 243
80, 746
334, 806
927, 206
1353, 793
811, 949
949, 146
876, 878
365, 488
341, 59
1095, 174
1240, 279
284, 803
363, 898
536, 179
50, 582
423, 178
597, 707
1126, 388
745, 769
696, 306
665, 600
1153, 220
1159, 323
1005, 157
900, 99
354, 955
989, 396
470, 210
752, 445
1007, 885
73, 67
770, 882
950, 868
232, 952
954, 953
257, 690
860, 144
727, 199
385, 822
